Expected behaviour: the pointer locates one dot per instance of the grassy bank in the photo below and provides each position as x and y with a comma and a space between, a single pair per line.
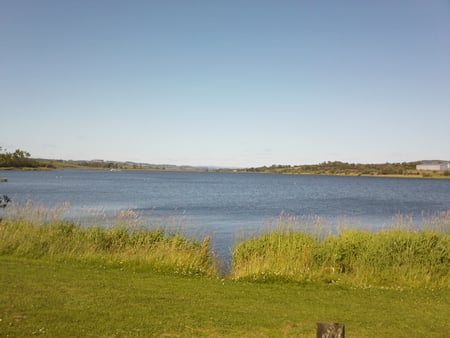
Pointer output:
79, 299
394, 257
61, 279
400, 256
119, 246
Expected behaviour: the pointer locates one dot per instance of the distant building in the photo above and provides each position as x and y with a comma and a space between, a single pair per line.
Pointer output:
434, 165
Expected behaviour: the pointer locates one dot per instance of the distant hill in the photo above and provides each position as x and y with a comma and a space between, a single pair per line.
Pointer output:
21, 160
344, 168
102, 164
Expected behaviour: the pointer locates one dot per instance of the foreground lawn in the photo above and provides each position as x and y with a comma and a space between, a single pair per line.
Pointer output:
76, 299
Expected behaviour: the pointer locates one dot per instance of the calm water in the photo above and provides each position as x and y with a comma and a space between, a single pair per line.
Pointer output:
228, 205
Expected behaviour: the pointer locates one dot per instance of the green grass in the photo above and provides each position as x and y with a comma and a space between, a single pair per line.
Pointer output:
80, 299
400, 256
60, 279
115, 246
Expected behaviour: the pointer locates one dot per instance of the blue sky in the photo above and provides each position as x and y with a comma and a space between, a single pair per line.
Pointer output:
226, 83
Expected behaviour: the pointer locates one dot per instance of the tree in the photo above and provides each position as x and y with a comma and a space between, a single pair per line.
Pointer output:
17, 159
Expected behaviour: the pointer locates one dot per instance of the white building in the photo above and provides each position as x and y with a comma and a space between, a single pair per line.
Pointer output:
433, 165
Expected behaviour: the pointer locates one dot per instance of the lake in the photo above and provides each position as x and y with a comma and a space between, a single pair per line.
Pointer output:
228, 206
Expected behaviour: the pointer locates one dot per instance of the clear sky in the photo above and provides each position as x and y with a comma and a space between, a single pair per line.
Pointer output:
226, 83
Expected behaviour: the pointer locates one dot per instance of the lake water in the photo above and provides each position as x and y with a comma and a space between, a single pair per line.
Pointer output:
228, 205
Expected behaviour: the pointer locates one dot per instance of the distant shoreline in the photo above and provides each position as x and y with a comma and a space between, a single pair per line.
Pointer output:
351, 175
398, 170
422, 175
329, 168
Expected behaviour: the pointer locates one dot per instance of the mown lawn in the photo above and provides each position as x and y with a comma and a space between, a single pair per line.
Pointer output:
78, 299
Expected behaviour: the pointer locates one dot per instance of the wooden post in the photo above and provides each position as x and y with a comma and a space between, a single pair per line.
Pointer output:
330, 330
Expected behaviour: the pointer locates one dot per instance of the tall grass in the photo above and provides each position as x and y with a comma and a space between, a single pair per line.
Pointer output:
38, 232
404, 255
401, 256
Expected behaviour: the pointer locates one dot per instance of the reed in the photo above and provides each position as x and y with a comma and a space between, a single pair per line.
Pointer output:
36, 232
403, 255
400, 256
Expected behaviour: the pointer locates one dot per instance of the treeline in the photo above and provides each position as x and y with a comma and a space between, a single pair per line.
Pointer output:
21, 159
17, 159
94, 164
343, 168
117, 165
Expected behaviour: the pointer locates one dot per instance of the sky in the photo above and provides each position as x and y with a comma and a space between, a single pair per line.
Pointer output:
226, 83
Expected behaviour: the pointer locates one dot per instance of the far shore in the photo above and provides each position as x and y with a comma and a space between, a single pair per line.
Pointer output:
422, 174
328, 168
